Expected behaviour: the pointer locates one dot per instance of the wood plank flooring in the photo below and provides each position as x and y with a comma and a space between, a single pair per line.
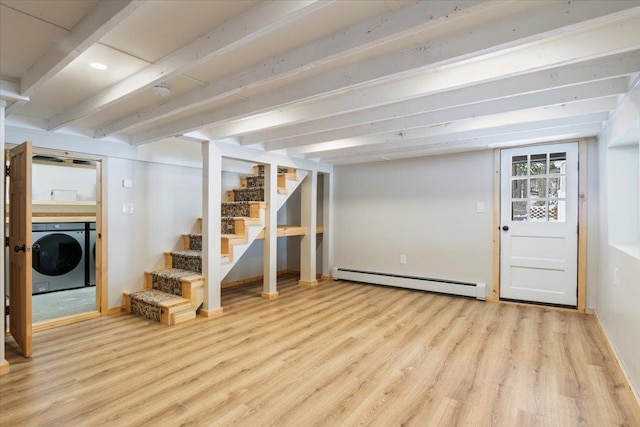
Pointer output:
339, 354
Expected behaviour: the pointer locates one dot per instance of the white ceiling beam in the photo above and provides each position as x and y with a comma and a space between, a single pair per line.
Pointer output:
598, 69
10, 91
512, 139
566, 51
368, 35
550, 19
233, 151
251, 25
99, 21
563, 95
467, 130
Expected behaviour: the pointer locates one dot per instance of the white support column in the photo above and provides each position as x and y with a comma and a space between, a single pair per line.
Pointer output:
211, 229
309, 206
4, 365
327, 221
270, 269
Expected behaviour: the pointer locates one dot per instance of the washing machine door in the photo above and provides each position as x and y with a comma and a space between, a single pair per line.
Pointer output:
56, 254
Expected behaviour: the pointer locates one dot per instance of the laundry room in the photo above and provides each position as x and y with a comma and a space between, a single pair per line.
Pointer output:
63, 237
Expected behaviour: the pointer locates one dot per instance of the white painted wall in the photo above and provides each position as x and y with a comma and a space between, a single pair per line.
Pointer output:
423, 208
617, 303
293, 212
56, 177
593, 223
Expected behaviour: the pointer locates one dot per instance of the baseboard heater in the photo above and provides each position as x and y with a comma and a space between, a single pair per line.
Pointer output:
475, 290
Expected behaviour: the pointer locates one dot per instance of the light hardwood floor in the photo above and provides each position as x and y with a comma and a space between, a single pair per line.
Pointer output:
338, 354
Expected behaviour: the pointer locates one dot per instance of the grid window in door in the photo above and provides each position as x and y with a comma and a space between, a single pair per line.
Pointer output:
539, 187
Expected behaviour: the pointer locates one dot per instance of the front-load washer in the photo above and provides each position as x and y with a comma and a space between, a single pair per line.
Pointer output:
58, 256
91, 254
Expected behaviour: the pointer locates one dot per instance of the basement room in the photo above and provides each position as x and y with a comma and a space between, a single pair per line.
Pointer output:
320, 212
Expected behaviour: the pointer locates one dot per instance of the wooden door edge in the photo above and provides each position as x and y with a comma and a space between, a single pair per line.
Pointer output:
495, 294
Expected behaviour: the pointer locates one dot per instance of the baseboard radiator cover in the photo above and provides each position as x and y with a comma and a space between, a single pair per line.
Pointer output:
443, 286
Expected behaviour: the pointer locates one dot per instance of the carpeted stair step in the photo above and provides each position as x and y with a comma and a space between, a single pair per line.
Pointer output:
172, 280
158, 306
242, 209
185, 260
192, 241
232, 225
246, 195
185, 283
257, 181
252, 181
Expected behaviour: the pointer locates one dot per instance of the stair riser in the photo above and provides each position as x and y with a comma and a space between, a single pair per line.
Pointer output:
148, 311
228, 226
246, 195
167, 284
236, 209
187, 263
256, 181
232, 226
195, 242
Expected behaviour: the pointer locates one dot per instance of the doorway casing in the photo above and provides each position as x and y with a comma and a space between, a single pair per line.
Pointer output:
582, 222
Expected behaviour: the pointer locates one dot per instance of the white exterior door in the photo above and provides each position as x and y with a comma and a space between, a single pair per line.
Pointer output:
539, 224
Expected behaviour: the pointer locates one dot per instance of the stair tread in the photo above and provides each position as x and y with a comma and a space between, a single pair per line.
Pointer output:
158, 298
188, 253
233, 236
175, 273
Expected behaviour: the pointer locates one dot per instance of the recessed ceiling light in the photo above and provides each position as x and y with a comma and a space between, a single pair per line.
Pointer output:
98, 66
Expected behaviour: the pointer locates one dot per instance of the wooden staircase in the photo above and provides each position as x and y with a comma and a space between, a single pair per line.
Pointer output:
175, 294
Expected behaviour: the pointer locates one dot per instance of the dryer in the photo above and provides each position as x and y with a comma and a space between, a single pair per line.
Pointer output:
58, 256
91, 254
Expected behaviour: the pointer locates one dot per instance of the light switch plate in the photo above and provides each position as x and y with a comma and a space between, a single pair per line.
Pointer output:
480, 207
127, 208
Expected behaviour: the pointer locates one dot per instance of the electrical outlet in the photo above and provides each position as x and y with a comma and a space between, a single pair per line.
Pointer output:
403, 259
616, 276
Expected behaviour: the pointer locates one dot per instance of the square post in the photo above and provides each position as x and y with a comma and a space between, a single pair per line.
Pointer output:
308, 208
211, 228
270, 258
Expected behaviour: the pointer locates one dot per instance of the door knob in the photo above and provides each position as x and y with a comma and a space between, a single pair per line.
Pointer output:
505, 227
22, 248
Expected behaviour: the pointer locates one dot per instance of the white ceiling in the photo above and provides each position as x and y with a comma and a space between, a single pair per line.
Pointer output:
336, 81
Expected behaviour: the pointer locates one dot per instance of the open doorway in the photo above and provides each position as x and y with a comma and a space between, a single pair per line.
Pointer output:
66, 216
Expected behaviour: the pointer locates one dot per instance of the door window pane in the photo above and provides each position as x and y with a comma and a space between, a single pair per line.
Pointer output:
555, 187
518, 211
519, 189
538, 164
538, 211
553, 211
519, 166
538, 187
557, 163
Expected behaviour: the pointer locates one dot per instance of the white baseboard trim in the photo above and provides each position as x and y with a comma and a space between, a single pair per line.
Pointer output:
635, 392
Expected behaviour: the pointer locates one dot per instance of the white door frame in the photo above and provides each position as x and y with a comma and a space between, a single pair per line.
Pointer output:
582, 222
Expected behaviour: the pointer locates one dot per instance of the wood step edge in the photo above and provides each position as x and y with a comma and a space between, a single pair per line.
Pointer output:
182, 316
